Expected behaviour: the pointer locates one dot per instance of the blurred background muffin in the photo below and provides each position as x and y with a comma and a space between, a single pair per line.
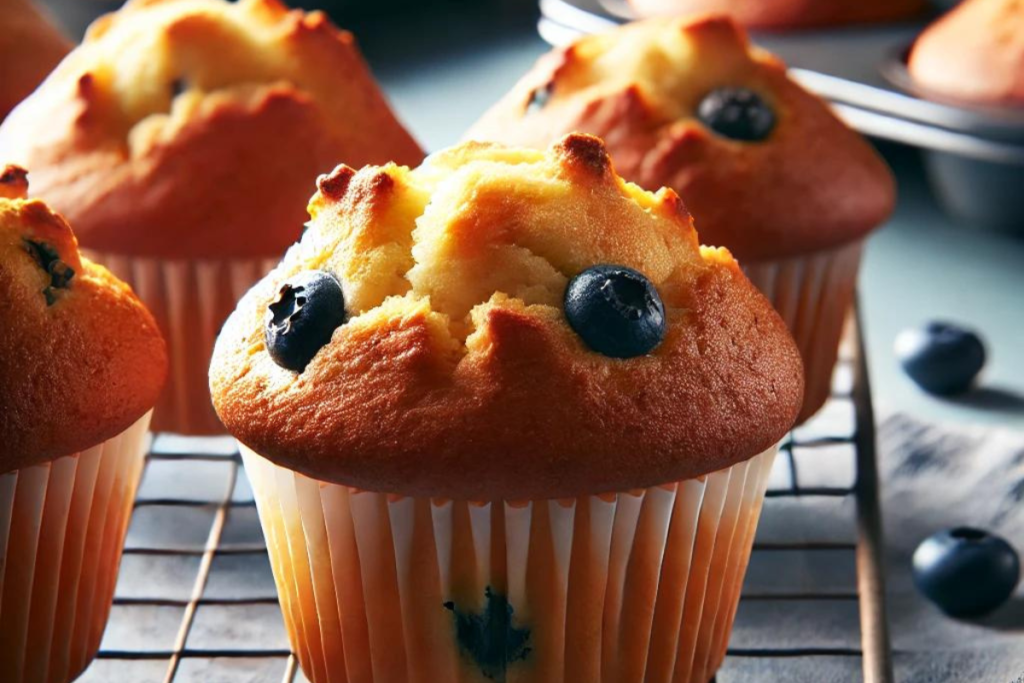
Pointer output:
765, 167
973, 54
484, 388
182, 139
30, 46
788, 14
81, 366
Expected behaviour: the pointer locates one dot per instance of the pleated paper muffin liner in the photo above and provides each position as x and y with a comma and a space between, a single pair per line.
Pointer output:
627, 587
190, 300
813, 294
62, 528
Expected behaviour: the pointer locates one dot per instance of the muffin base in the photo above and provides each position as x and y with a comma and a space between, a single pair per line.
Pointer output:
637, 586
62, 528
813, 294
190, 300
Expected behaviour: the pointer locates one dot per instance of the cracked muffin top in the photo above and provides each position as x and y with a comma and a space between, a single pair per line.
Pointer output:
764, 166
975, 53
195, 128
80, 358
504, 323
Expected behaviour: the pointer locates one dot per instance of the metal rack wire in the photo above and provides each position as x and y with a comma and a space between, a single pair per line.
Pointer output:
196, 602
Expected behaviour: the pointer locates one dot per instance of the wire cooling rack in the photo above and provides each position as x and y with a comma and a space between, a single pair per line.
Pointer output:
195, 599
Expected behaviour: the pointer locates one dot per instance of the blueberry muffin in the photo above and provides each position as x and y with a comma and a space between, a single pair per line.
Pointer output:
182, 139
81, 366
765, 168
30, 46
781, 15
973, 54
505, 419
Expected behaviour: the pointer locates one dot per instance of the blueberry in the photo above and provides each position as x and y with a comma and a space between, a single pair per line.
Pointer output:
941, 358
60, 273
966, 572
615, 310
737, 113
301, 321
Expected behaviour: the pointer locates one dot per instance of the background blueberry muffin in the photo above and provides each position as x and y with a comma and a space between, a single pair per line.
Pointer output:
764, 166
30, 46
975, 53
474, 390
81, 366
182, 139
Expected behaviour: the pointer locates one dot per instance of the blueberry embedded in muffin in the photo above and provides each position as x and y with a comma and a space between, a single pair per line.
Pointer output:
509, 318
73, 333
766, 168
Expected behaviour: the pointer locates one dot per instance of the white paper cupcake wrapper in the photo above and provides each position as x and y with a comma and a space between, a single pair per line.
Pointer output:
190, 301
62, 527
813, 294
636, 586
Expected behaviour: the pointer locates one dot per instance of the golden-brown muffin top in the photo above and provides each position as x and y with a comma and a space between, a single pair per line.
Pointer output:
80, 358
455, 370
975, 53
788, 14
810, 183
195, 128
30, 46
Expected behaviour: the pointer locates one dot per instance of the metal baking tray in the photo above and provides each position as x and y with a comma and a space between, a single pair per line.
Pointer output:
974, 155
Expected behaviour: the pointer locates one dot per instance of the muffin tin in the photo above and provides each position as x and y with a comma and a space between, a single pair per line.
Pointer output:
195, 599
974, 155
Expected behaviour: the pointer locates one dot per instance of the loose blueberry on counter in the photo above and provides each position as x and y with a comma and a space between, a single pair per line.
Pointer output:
49, 260
966, 572
941, 358
737, 113
301, 321
616, 311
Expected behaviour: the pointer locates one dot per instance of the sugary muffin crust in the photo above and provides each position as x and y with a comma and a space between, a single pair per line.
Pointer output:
194, 128
975, 53
788, 14
80, 358
456, 373
810, 184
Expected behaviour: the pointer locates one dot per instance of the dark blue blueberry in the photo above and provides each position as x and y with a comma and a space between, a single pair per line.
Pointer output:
737, 113
966, 572
49, 260
490, 638
301, 321
616, 311
941, 358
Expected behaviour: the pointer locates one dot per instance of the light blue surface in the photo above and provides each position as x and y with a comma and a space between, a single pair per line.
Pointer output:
922, 266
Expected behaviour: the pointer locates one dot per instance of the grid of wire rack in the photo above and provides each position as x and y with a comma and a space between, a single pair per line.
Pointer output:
195, 599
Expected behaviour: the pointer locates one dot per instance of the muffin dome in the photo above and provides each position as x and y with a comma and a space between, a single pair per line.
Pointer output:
788, 14
194, 128
763, 165
975, 53
71, 332
456, 372
30, 46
